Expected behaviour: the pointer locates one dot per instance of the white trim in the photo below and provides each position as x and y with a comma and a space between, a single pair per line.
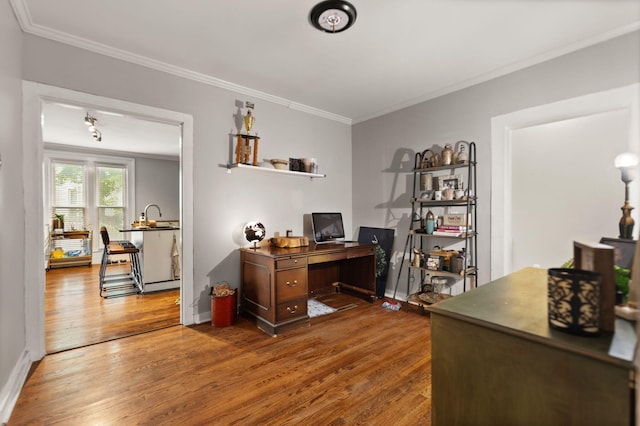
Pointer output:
34, 94
13, 386
502, 127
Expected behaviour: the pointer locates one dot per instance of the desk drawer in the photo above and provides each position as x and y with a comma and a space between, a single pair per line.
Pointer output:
291, 284
327, 257
292, 310
360, 252
291, 263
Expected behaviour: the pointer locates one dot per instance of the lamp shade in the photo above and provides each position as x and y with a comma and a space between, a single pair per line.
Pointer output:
626, 159
626, 162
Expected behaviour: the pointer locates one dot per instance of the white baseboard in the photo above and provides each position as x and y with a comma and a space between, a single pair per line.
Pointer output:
11, 389
204, 317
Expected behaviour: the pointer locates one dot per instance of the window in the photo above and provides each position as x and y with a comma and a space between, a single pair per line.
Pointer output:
111, 181
90, 192
69, 194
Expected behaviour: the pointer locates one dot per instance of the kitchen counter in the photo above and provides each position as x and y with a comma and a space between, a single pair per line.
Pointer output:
157, 255
160, 225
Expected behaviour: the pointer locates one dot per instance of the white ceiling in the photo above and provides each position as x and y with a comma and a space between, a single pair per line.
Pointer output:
398, 53
63, 124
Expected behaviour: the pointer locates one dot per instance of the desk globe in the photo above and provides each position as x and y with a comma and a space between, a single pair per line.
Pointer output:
254, 232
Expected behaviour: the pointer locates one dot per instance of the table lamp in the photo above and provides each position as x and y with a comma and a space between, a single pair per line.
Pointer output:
627, 163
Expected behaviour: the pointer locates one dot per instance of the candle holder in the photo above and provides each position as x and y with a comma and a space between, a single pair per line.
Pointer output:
573, 300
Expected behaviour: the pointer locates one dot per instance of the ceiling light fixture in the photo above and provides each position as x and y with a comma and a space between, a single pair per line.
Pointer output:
91, 122
332, 16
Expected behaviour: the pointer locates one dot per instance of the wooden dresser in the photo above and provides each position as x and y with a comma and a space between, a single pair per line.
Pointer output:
496, 361
276, 282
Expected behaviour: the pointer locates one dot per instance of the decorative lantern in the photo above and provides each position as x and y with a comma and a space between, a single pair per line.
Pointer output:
574, 299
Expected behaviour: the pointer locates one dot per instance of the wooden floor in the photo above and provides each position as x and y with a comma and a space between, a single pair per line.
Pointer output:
364, 365
76, 315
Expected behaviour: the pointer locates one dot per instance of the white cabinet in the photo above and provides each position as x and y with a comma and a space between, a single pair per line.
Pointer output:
157, 257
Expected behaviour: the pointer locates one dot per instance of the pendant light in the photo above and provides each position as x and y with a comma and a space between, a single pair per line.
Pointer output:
91, 122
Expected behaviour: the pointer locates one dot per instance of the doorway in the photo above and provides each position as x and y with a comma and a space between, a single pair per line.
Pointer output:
617, 107
34, 97
105, 181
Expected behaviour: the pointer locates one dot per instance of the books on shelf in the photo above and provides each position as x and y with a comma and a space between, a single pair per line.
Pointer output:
450, 230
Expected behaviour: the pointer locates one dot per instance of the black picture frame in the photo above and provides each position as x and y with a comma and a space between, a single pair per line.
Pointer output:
384, 237
624, 251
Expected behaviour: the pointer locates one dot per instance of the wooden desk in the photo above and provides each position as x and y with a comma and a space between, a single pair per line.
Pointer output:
276, 282
495, 360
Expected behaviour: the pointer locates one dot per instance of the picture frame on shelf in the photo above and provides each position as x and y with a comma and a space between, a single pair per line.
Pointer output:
451, 181
435, 263
426, 195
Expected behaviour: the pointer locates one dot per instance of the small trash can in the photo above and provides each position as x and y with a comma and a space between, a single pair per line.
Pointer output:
224, 310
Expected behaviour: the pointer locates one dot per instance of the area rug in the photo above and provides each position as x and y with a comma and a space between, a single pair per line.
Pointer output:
316, 309
338, 301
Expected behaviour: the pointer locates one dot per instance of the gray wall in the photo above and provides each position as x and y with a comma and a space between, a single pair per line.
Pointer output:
384, 147
158, 182
12, 235
223, 202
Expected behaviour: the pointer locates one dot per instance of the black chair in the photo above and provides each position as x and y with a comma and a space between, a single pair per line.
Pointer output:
121, 284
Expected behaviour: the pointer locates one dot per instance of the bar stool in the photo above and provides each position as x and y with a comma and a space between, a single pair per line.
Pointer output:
122, 284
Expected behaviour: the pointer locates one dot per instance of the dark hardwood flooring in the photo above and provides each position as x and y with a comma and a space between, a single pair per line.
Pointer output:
76, 315
364, 365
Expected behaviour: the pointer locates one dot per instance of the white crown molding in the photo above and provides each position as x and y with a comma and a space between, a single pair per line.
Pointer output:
516, 66
24, 19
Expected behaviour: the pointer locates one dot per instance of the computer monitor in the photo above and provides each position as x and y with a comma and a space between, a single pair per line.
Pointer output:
327, 227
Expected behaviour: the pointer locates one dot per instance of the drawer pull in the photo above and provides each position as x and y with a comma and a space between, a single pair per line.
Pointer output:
292, 311
290, 284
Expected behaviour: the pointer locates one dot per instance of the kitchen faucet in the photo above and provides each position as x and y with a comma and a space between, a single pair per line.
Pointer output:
146, 214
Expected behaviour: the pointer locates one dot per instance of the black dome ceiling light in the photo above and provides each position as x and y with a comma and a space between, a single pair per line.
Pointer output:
333, 16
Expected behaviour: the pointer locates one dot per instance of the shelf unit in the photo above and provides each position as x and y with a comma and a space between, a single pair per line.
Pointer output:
434, 281
76, 246
270, 170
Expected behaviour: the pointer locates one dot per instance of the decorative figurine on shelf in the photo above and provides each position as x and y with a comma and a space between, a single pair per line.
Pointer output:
429, 160
431, 222
243, 148
249, 118
460, 156
446, 155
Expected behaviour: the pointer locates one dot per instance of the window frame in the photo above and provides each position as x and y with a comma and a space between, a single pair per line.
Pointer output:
91, 161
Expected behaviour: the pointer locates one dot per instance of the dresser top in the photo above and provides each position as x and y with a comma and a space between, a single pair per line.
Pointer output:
517, 304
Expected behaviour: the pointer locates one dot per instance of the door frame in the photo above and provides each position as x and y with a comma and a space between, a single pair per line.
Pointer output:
34, 94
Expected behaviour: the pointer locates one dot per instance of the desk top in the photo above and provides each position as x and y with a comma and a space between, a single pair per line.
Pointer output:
311, 249
517, 304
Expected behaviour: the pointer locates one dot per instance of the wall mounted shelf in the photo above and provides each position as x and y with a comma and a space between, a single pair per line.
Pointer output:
269, 170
